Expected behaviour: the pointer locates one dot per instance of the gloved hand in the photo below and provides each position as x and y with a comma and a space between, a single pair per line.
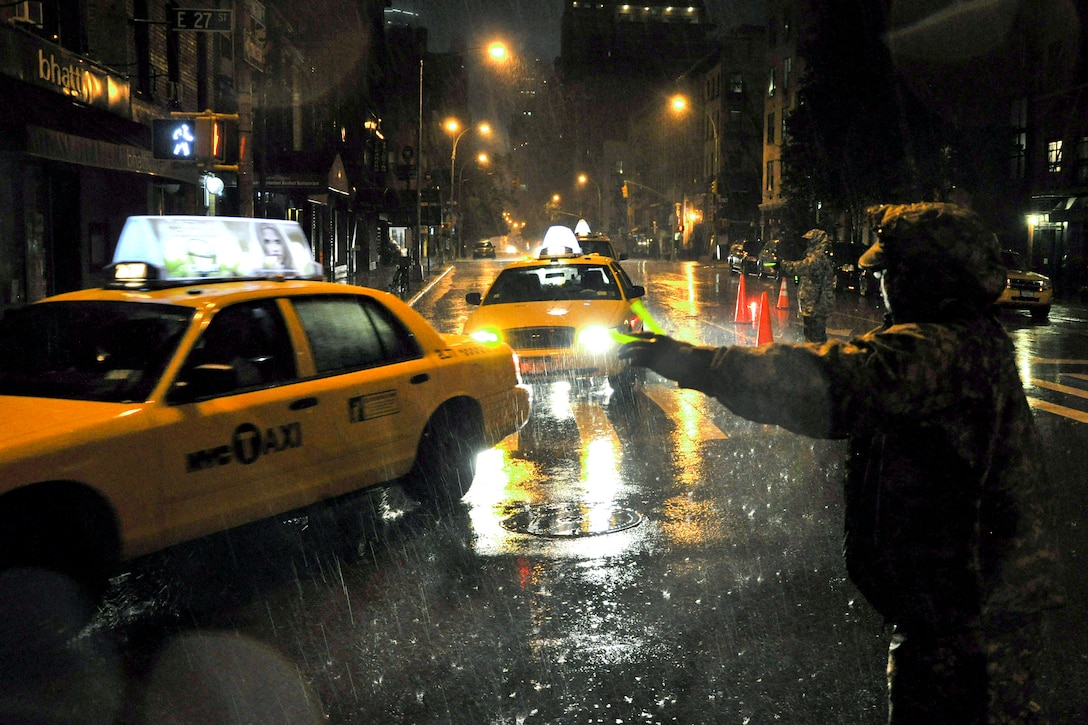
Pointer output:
661, 353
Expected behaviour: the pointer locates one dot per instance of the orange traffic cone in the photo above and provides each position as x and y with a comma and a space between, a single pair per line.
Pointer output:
763, 334
742, 313
783, 296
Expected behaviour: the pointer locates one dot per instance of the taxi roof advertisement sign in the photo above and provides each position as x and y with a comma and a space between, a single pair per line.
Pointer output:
201, 247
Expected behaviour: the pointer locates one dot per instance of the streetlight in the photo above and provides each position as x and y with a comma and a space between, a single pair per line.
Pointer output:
453, 126
498, 52
582, 179
679, 105
482, 159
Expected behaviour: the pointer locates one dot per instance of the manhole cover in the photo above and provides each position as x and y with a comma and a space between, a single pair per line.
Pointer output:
571, 519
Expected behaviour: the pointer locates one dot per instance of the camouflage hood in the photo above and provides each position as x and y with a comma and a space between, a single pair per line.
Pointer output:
942, 253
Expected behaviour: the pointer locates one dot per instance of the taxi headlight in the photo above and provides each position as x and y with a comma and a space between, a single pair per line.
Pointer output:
487, 336
596, 339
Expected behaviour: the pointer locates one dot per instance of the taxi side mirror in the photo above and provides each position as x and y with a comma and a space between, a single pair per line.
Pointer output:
203, 381
473, 298
637, 290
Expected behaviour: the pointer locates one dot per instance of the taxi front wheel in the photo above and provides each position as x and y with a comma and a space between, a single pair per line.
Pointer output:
61, 528
446, 457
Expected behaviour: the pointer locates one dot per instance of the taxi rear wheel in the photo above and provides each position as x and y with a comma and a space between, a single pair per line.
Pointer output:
446, 458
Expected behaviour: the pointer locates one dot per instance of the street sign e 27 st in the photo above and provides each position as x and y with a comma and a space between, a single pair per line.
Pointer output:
203, 20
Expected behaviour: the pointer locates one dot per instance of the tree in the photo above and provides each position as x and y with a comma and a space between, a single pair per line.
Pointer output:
843, 148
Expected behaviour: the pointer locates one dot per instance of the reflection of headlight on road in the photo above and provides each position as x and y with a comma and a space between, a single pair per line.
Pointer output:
487, 336
596, 339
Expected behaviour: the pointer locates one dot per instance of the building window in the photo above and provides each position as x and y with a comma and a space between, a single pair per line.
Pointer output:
770, 176
770, 128
1054, 156
736, 84
771, 84
1082, 160
787, 71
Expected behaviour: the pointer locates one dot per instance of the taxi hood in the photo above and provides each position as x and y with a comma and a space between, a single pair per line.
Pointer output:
28, 421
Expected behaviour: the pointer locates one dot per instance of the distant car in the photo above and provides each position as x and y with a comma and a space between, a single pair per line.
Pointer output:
207, 386
562, 315
1024, 289
849, 276
599, 244
483, 249
739, 254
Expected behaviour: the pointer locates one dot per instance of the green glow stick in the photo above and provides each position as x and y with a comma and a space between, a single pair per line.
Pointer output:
648, 321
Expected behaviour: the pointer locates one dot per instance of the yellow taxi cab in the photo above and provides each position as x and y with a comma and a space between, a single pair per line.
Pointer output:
213, 382
1024, 289
564, 313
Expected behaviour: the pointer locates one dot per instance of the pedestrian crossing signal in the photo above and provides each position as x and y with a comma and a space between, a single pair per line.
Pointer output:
210, 140
189, 139
174, 139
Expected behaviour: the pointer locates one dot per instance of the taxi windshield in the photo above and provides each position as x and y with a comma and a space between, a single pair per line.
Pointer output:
99, 351
554, 282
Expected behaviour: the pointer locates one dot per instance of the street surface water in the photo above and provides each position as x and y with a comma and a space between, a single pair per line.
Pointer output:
652, 561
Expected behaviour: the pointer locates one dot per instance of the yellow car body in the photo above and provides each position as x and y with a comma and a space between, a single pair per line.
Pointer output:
563, 326
1024, 289
158, 438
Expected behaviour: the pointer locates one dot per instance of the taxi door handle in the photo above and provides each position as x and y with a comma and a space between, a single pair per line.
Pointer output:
303, 403
421, 378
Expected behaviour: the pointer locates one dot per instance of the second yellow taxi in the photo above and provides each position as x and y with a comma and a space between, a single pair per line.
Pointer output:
564, 313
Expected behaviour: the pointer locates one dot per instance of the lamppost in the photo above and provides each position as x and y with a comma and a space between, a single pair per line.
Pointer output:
679, 105
497, 52
482, 159
453, 126
582, 179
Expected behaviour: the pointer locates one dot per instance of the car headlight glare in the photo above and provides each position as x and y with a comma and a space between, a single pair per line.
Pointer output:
487, 336
596, 339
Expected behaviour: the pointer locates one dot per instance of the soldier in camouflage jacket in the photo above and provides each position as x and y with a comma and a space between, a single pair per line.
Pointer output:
944, 492
816, 290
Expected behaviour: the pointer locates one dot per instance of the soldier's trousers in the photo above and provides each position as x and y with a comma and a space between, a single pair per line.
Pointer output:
962, 678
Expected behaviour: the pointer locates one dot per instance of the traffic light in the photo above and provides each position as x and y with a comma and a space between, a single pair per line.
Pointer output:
625, 190
174, 139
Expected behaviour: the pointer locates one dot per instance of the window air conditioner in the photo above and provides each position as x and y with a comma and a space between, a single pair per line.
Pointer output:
29, 12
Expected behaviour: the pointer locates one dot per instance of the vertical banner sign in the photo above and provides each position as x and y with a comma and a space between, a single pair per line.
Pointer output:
254, 35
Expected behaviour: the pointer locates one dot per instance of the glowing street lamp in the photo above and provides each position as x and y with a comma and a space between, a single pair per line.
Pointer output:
452, 125
679, 105
583, 179
497, 52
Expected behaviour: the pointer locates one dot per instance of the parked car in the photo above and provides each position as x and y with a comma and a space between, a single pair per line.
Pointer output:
483, 249
739, 254
201, 389
849, 276
1024, 289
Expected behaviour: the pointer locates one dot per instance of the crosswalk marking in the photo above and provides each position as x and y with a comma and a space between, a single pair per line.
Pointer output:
1077, 415
684, 407
1058, 388
593, 424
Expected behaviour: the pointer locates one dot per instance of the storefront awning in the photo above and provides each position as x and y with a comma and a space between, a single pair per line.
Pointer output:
69, 148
